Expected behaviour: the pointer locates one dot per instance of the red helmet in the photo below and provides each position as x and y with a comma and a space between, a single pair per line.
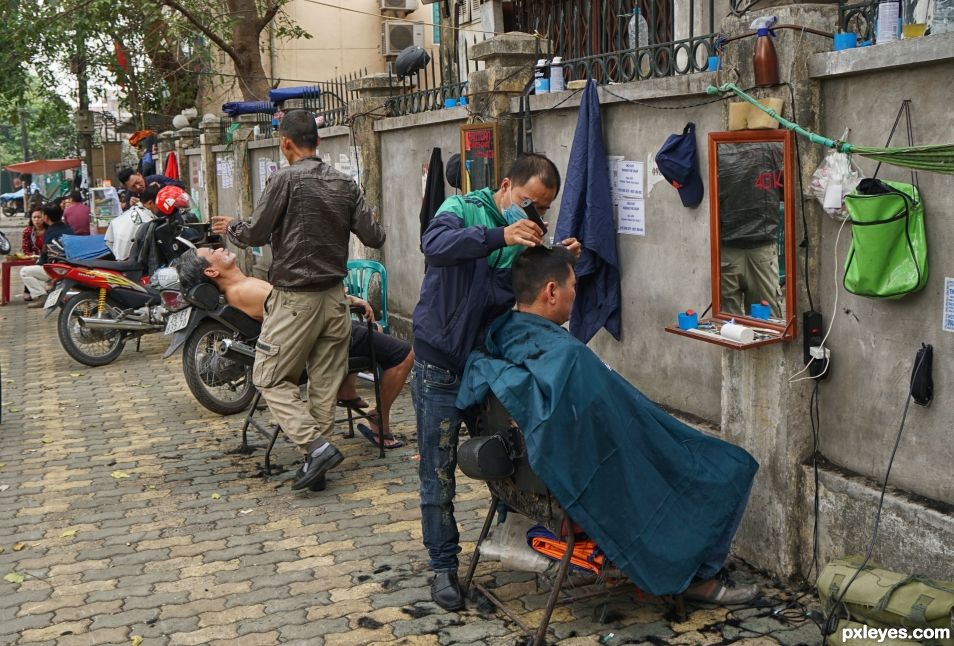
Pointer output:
170, 198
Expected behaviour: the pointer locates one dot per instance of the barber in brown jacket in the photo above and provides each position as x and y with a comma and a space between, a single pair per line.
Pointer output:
308, 212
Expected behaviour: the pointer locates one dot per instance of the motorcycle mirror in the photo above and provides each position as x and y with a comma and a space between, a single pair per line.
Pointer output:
4, 245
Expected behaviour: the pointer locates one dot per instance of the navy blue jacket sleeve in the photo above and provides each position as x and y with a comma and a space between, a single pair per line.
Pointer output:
448, 242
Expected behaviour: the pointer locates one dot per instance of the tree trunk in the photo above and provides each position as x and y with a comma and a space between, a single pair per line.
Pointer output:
245, 42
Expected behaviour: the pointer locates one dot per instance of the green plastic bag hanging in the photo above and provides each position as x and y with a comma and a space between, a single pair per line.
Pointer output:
888, 256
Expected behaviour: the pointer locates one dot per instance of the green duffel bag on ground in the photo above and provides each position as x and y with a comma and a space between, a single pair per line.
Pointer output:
888, 256
882, 598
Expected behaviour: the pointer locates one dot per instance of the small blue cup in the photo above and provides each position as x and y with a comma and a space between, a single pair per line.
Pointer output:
463, 101
714, 64
760, 311
846, 40
450, 103
688, 321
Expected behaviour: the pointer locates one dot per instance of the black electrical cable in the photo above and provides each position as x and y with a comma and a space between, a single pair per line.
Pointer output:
806, 245
832, 620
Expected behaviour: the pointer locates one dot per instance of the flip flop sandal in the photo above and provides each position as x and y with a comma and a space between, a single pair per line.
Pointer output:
356, 404
372, 437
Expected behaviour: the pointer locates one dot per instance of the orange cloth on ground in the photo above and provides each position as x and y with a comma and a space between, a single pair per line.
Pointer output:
586, 554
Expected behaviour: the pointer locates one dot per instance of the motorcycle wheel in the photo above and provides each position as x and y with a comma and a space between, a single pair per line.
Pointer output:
201, 365
89, 347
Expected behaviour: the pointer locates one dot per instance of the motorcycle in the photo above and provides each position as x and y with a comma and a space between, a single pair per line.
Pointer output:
217, 344
106, 303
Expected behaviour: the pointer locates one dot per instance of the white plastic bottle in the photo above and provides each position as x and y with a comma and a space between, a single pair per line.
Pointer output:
541, 78
943, 20
643, 31
556, 75
889, 18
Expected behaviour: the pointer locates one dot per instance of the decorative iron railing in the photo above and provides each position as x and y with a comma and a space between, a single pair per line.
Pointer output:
858, 17
430, 88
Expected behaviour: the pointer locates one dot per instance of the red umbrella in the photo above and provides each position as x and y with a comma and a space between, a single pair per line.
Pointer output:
172, 166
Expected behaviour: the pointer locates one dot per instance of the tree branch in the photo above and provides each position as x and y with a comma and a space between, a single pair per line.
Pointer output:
215, 38
271, 10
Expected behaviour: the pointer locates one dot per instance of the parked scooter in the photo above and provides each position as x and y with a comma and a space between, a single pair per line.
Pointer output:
106, 303
218, 348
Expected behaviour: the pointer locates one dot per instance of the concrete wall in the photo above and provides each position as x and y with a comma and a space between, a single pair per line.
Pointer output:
667, 270
873, 342
406, 144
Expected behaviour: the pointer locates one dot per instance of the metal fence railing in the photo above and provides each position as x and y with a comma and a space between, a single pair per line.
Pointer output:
858, 17
430, 88
608, 41
331, 103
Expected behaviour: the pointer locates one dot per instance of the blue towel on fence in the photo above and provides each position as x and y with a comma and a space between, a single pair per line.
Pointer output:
84, 247
235, 108
300, 92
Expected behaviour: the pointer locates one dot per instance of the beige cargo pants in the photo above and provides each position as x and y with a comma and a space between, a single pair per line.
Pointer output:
303, 331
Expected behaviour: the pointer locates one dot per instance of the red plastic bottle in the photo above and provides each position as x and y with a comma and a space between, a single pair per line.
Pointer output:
765, 61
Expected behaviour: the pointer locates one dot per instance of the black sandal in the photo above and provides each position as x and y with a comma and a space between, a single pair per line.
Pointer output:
355, 404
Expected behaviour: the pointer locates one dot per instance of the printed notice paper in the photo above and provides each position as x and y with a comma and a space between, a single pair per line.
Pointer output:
948, 324
632, 217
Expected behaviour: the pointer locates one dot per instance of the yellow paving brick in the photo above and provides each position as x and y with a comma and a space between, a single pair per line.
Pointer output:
403, 526
362, 591
96, 637
344, 608
221, 590
203, 635
295, 542
322, 584
191, 549
53, 631
209, 568
83, 588
66, 486
162, 543
232, 615
325, 549
365, 494
90, 610
50, 605
191, 609
701, 618
255, 639
411, 640
359, 637
305, 564
173, 564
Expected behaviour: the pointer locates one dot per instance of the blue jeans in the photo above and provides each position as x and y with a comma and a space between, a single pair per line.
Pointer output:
434, 392
717, 554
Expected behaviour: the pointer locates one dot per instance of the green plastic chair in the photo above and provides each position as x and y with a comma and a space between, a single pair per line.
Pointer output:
358, 282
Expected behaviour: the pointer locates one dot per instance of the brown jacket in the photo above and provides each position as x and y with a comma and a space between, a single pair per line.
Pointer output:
308, 212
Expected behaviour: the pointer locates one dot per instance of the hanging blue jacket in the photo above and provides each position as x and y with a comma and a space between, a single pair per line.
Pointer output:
467, 280
586, 213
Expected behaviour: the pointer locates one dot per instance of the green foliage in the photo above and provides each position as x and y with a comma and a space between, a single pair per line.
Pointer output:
49, 120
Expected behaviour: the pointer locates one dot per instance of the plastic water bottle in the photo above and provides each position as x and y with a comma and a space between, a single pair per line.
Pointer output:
943, 20
642, 32
556, 75
889, 18
541, 78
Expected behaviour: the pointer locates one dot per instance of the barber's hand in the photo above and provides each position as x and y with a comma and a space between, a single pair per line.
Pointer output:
220, 223
523, 232
133, 201
573, 246
368, 312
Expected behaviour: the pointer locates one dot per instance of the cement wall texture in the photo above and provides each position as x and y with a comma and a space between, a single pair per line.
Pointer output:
873, 341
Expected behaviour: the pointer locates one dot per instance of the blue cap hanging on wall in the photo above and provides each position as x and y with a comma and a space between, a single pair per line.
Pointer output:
678, 161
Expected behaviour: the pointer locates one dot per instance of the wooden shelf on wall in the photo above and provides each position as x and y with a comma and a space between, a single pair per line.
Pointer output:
715, 338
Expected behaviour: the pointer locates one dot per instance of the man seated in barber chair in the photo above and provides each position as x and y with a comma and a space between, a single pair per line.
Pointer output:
662, 500
248, 294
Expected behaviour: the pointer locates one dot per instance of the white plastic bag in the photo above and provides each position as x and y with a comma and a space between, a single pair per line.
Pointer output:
835, 177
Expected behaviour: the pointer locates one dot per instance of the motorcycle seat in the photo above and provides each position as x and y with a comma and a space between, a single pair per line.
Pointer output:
115, 265
246, 326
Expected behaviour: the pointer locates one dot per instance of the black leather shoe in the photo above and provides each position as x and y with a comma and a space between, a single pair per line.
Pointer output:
315, 468
446, 592
318, 485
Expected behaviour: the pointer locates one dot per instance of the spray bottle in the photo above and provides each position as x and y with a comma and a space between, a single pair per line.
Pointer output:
765, 62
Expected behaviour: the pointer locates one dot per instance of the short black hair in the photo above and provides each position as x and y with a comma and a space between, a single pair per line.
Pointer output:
191, 267
149, 195
26, 178
299, 126
76, 196
125, 174
537, 266
530, 165
54, 212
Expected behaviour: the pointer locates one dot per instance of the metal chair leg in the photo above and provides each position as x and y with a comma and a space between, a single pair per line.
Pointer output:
248, 420
541, 637
480, 539
350, 424
268, 451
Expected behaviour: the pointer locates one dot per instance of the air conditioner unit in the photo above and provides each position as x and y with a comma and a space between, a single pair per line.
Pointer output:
397, 36
398, 5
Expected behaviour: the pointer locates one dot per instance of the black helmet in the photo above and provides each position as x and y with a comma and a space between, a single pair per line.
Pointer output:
410, 61
453, 171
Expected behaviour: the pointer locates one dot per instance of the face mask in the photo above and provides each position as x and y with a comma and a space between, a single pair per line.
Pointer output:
514, 213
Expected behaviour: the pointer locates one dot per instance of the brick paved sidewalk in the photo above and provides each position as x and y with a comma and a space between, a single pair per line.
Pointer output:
128, 518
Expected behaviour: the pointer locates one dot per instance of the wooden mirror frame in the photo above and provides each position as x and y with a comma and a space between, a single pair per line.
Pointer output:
787, 138
492, 128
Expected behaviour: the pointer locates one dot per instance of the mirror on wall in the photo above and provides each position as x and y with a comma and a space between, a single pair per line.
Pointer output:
752, 216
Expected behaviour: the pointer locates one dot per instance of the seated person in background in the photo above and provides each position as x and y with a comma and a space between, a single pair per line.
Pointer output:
662, 500
76, 214
33, 276
136, 183
32, 241
248, 294
122, 229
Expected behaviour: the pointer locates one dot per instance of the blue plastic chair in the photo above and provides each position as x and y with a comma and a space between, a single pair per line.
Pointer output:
358, 283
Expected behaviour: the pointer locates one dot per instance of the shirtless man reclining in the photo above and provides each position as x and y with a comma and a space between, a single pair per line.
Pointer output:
248, 294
